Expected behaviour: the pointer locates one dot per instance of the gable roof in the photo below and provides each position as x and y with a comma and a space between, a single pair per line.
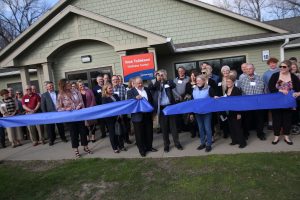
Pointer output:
290, 24
153, 38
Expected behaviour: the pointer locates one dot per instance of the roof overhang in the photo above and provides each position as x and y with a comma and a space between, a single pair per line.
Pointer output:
152, 38
236, 43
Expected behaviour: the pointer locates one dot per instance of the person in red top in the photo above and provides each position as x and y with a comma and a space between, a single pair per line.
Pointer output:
31, 103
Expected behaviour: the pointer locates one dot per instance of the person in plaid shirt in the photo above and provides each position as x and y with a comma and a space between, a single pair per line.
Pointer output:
250, 85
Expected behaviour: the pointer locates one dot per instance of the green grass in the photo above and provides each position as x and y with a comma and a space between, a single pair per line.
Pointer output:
245, 176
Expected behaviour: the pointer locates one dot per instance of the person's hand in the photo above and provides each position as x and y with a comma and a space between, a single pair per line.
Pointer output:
138, 97
296, 94
192, 118
78, 107
216, 97
68, 109
284, 91
239, 116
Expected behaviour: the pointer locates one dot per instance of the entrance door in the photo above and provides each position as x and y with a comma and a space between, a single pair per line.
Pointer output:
88, 76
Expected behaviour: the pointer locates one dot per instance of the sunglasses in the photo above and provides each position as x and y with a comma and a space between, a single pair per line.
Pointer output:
283, 66
203, 72
28, 89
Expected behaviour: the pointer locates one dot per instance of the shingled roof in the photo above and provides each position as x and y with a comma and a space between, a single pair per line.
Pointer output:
290, 24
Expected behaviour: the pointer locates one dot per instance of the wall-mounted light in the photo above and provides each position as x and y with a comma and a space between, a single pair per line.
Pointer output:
86, 59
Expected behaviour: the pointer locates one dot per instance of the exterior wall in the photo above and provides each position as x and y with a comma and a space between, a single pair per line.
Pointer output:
14, 79
74, 27
295, 52
252, 53
69, 58
181, 21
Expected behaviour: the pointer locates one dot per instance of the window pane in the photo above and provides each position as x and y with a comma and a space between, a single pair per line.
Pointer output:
234, 63
188, 67
214, 63
76, 76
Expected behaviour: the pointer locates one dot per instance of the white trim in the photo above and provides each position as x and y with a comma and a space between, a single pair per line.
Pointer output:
286, 41
235, 16
236, 43
15, 72
152, 38
292, 46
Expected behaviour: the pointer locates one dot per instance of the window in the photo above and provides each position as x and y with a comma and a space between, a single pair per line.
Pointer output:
216, 63
18, 86
88, 76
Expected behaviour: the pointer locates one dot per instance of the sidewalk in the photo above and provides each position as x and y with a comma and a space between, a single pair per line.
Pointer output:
102, 148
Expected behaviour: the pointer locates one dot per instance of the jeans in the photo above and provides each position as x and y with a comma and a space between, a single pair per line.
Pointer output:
204, 124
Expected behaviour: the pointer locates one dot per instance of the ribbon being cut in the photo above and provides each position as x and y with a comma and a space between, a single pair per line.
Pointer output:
96, 112
233, 103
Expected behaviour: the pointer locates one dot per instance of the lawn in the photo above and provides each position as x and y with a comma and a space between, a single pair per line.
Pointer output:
244, 176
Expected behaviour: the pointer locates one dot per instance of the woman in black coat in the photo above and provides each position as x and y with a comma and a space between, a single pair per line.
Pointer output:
115, 136
234, 117
283, 81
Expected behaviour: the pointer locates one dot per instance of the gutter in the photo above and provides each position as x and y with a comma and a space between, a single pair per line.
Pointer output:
286, 41
236, 43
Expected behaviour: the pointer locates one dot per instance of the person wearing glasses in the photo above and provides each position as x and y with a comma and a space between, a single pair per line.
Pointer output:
253, 84
70, 99
31, 103
164, 88
283, 81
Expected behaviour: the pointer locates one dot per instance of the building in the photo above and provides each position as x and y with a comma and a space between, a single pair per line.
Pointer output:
78, 39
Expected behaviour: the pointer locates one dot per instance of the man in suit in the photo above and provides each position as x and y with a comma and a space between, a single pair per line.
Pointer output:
48, 104
164, 88
142, 122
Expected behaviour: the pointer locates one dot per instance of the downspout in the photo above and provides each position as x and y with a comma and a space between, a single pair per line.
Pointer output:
287, 40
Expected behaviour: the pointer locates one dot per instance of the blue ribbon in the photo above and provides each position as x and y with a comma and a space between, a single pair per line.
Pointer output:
95, 112
233, 103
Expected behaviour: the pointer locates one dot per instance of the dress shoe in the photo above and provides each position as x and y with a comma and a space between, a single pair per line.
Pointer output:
123, 149
143, 154
51, 143
166, 149
128, 142
288, 142
232, 143
93, 141
152, 150
35, 144
179, 147
275, 142
202, 146
64, 140
208, 148
117, 151
262, 136
241, 146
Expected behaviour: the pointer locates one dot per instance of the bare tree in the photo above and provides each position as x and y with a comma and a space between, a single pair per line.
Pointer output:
17, 15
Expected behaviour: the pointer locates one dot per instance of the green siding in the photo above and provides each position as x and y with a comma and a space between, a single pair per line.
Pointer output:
66, 30
14, 79
69, 58
181, 21
295, 52
252, 53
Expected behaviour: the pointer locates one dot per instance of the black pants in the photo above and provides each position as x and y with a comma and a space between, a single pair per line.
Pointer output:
256, 118
103, 126
224, 126
127, 127
282, 118
144, 133
51, 131
168, 122
2, 137
236, 131
76, 129
116, 141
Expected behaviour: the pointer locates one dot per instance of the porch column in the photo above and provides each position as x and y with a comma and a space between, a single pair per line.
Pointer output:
152, 50
47, 70
24, 73
40, 77
121, 53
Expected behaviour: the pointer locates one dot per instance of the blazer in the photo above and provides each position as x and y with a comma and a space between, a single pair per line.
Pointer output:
109, 100
274, 78
131, 94
158, 88
235, 92
47, 104
90, 98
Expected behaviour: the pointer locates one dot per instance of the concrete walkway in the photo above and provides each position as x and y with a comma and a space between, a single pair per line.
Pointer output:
102, 148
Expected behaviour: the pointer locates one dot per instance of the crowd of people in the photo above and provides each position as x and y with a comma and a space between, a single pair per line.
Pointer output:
160, 93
